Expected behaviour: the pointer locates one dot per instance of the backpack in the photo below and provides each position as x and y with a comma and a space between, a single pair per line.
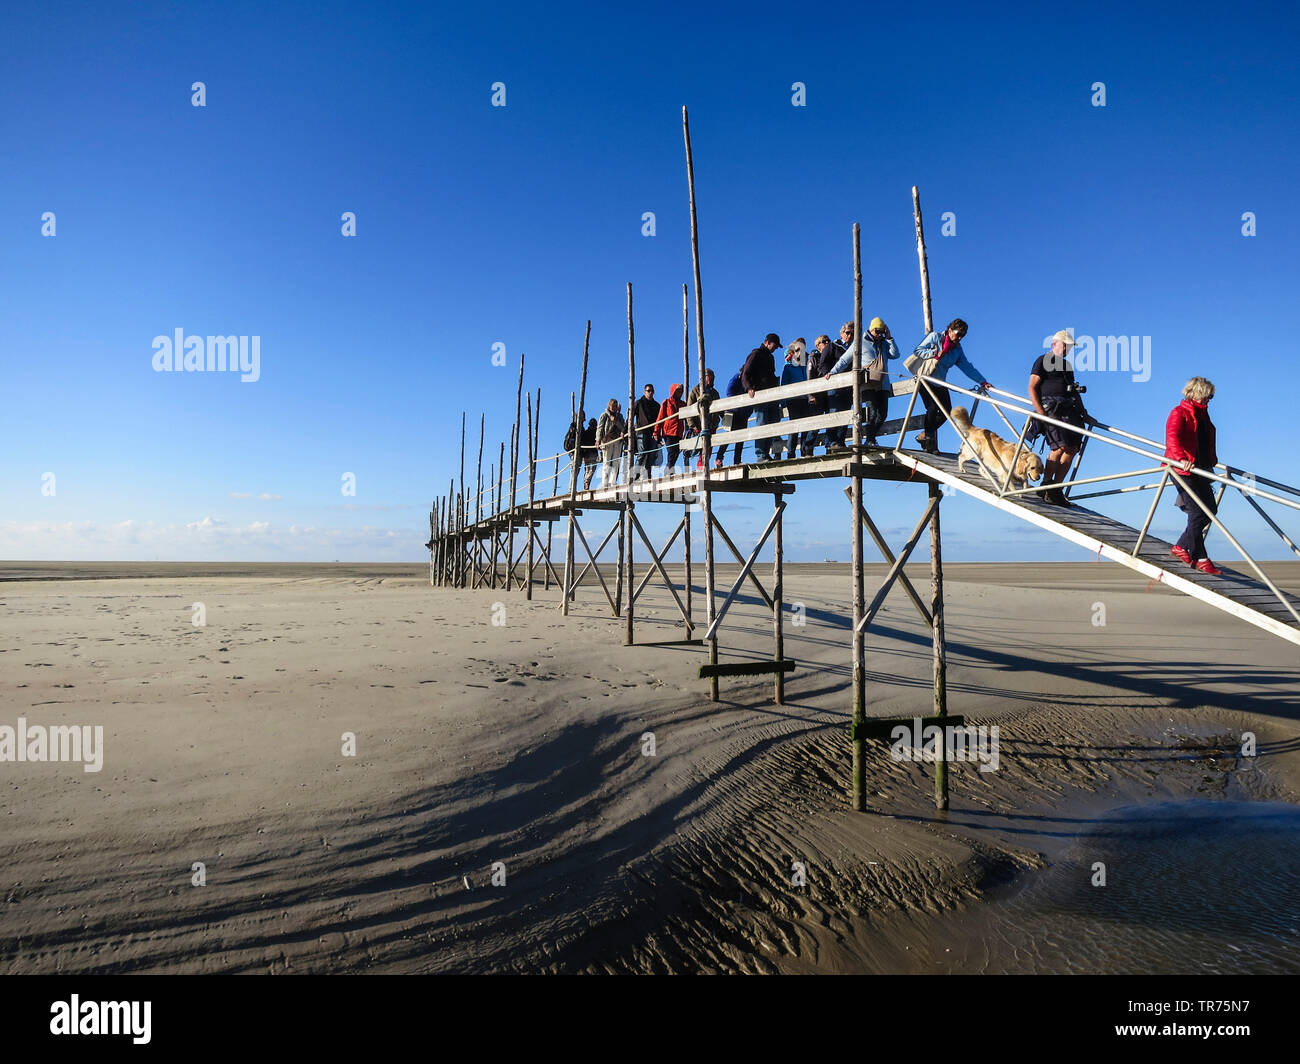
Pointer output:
570, 437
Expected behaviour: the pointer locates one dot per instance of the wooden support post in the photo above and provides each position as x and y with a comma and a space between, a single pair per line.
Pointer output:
925, 266
460, 514
573, 480
706, 494
628, 509
528, 590
514, 474
859, 590
778, 604
478, 500
686, 394
940, 646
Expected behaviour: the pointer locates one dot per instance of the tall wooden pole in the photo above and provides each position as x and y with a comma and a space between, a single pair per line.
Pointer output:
686, 394
778, 592
921, 256
514, 477
491, 526
704, 407
478, 502
629, 510
528, 523
573, 482
939, 646
859, 589
499, 506
460, 515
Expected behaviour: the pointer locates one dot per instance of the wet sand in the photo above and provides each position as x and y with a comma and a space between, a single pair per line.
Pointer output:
522, 743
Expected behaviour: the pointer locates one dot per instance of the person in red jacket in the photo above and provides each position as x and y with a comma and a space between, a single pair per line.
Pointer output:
1189, 441
668, 431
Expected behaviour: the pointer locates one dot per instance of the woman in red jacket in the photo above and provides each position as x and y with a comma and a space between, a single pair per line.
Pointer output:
1189, 441
668, 431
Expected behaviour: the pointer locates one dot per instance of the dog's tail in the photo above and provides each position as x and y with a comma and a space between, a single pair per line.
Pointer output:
961, 418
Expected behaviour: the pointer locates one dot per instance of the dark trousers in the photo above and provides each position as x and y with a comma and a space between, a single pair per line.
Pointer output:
1198, 522
670, 445
936, 408
877, 408
837, 400
647, 451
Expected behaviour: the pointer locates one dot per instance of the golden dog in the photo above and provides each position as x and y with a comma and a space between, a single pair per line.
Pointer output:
995, 452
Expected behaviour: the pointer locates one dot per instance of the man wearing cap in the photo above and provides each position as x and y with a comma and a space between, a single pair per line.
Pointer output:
759, 374
1053, 391
876, 390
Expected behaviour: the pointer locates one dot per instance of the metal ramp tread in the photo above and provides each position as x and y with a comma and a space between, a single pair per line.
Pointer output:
1233, 592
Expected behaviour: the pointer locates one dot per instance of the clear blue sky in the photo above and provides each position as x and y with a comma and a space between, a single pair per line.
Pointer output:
479, 224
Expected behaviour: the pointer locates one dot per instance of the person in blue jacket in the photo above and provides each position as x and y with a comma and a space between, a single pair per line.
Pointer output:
735, 388
946, 347
796, 372
878, 351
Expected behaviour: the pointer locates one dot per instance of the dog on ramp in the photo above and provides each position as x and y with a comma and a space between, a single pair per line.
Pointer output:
994, 452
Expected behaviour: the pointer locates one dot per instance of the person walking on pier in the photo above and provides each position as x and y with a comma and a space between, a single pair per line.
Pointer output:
797, 406
669, 429
878, 351
590, 452
759, 374
645, 411
696, 425
1053, 391
611, 432
819, 365
946, 348
1190, 441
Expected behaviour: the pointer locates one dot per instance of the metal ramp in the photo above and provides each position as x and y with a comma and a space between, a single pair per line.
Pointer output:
1233, 592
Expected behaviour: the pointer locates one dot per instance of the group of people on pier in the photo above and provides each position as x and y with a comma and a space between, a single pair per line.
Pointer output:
659, 431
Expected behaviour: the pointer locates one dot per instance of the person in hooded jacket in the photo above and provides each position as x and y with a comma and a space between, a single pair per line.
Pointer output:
668, 431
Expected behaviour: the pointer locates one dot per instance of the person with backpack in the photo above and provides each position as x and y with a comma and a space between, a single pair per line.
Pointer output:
696, 425
737, 418
668, 431
877, 352
590, 452
611, 432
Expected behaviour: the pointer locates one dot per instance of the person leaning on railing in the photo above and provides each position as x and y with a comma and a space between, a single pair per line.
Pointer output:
610, 435
878, 351
945, 348
1054, 393
1190, 441
695, 425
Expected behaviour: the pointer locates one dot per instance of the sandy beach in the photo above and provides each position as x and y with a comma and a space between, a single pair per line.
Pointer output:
515, 751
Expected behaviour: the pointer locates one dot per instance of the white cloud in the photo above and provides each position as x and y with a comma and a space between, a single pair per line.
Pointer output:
208, 539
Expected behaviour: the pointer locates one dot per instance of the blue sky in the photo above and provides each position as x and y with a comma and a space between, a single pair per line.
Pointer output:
479, 225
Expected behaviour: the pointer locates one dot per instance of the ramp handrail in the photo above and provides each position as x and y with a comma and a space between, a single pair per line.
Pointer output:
1016, 404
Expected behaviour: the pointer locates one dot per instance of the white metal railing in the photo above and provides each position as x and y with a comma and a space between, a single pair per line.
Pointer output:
1004, 402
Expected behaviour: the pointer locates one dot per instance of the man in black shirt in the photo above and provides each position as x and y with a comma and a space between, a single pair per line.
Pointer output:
644, 413
758, 374
1053, 392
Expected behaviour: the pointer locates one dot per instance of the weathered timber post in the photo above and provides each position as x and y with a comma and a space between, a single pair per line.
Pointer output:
710, 605
940, 648
859, 591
